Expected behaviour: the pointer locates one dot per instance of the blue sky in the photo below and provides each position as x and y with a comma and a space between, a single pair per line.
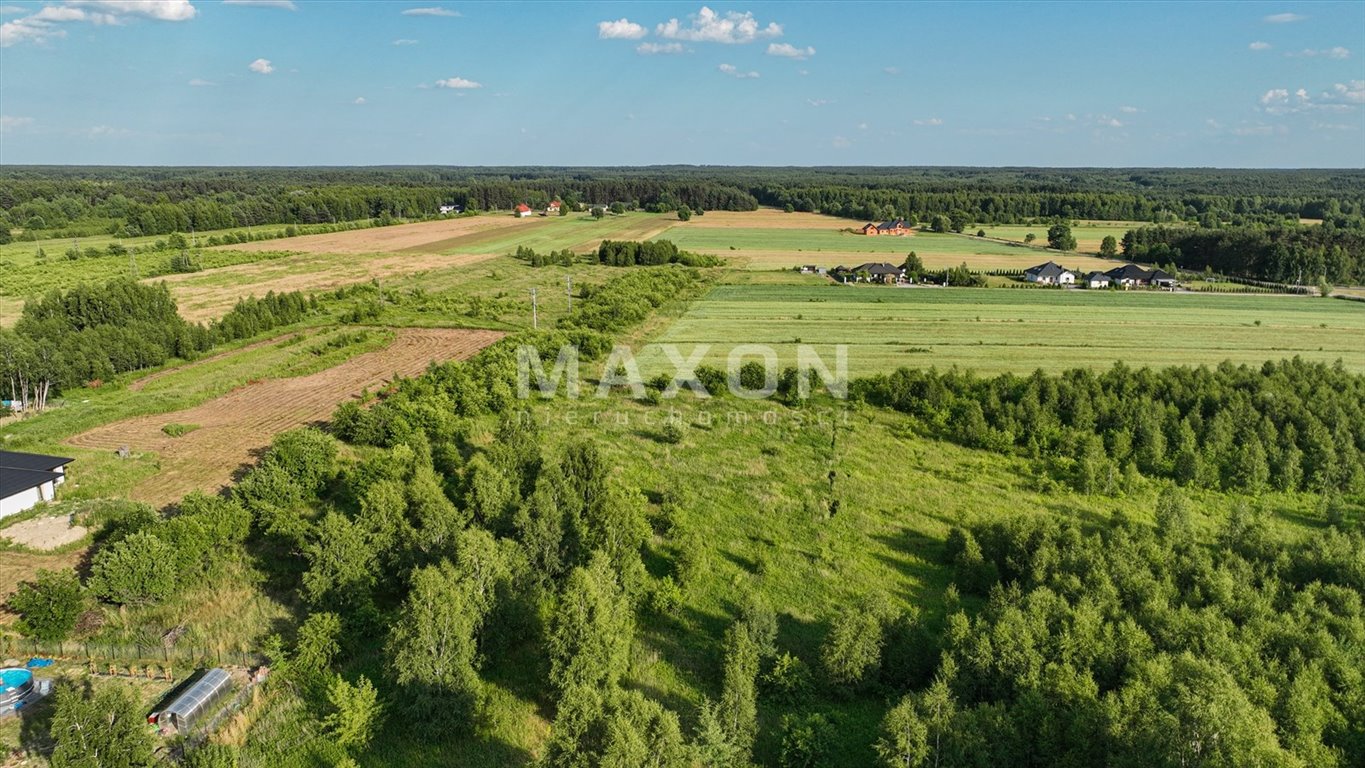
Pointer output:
273, 82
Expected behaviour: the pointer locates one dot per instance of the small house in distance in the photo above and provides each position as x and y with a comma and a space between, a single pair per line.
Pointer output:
553, 208
27, 479
1159, 279
1129, 276
523, 210
893, 227
451, 209
1097, 280
1050, 273
871, 272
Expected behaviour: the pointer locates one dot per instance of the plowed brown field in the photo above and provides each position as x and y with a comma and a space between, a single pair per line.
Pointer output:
233, 428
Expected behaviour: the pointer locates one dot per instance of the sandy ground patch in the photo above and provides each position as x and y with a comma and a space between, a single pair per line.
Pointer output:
770, 218
44, 532
426, 235
235, 427
213, 292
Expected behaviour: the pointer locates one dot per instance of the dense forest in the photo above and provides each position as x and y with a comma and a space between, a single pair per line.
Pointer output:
1289, 425
1288, 254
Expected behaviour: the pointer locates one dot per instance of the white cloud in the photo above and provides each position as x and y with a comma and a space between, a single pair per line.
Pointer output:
104, 131
359, 100
286, 5
1258, 129
841, 142
1105, 121
161, 10
405, 41
11, 122
1283, 18
458, 83
42, 26
1071, 116
862, 126
1129, 110
12, 10
707, 26
818, 102
891, 70
621, 29
733, 71
434, 11
261, 66
787, 50
1354, 92
201, 83
1336, 52
1260, 45
649, 49
930, 121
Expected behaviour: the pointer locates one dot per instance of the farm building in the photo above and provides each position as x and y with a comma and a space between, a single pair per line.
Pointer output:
1050, 273
28, 478
893, 227
553, 208
1129, 276
452, 208
523, 210
1096, 280
198, 700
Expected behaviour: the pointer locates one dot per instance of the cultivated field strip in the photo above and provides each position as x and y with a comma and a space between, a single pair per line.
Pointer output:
235, 427
425, 236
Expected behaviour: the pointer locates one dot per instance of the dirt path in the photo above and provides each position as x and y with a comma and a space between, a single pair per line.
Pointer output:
232, 428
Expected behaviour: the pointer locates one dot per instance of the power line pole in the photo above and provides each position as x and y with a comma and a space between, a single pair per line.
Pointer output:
535, 315
568, 288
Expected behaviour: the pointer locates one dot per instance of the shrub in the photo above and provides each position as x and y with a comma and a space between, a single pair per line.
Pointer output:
139, 569
49, 606
789, 680
179, 430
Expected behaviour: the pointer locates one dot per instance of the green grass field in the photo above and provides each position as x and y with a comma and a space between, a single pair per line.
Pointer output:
995, 330
1088, 234
577, 231
774, 248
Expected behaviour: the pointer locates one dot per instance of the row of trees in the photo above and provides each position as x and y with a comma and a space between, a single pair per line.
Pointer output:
1290, 425
94, 332
1289, 254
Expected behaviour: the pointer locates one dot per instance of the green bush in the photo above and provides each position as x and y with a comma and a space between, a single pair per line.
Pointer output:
138, 569
49, 606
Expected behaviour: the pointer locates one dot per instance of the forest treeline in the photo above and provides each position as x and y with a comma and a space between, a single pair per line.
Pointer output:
1286, 254
78, 201
1290, 425
91, 333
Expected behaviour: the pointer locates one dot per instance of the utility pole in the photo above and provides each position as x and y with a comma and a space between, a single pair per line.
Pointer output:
568, 288
535, 315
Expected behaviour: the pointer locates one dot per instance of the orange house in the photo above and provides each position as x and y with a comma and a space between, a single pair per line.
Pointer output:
893, 227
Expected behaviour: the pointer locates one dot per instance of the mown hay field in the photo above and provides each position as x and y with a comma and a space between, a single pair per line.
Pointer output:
771, 247
994, 330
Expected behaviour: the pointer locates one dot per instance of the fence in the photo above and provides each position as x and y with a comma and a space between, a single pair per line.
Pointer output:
116, 653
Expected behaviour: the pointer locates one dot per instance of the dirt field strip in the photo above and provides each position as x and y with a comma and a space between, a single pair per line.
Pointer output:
427, 236
237, 425
213, 292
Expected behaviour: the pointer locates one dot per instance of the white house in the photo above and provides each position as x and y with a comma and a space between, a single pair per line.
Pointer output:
1050, 273
27, 479
523, 210
452, 209
1097, 280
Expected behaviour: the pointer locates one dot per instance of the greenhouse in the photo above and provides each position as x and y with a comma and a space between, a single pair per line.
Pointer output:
197, 700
